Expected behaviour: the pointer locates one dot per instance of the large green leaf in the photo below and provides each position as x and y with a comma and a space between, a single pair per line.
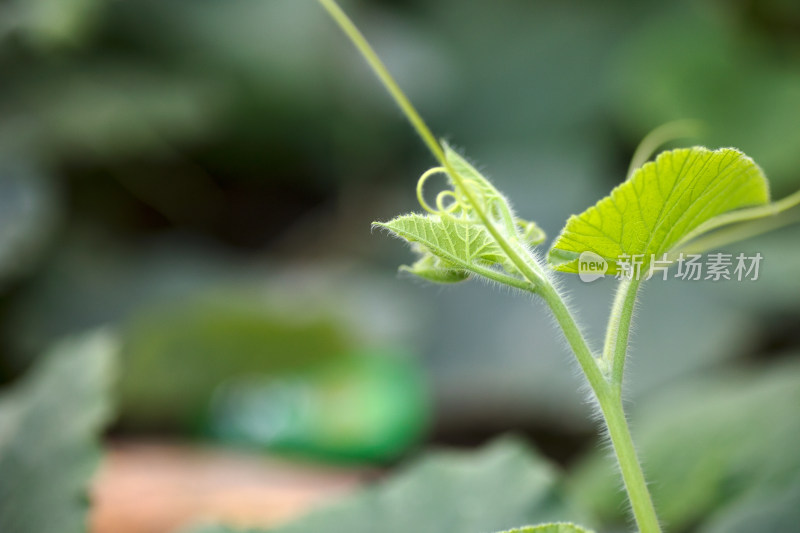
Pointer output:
500, 487
49, 427
661, 204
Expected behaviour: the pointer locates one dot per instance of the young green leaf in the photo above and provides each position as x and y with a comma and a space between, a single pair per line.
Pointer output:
664, 201
453, 240
433, 268
460, 244
558, 527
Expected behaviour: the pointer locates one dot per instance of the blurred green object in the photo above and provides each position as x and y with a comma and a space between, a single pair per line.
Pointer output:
49, 24
28, 213
272, 377
175, 355
50, 424
503, 485
711, 443
365, 406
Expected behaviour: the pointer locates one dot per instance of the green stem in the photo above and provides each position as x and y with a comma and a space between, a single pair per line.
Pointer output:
609, 396
503, 279
574, 337
614, 354
643, 510
529, 269
537, 282
618, 331
383, 74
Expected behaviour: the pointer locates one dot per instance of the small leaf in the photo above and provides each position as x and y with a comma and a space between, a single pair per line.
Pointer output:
460, 244
434, 269
531, 234
662, 203
558, 527
49, 425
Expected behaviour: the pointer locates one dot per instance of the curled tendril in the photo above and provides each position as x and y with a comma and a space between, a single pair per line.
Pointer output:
421, 187
450, 203
454, 205
442, 197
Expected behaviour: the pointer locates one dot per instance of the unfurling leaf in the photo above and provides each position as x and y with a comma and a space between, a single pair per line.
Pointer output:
530, 233
433, 268
462, 244
452, 239
662, 203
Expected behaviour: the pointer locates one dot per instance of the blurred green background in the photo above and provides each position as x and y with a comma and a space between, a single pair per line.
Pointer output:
201, 175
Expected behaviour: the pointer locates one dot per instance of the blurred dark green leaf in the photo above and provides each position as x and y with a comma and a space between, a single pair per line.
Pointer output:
499, 487
49, 429
775, 510
102, 110
29, 208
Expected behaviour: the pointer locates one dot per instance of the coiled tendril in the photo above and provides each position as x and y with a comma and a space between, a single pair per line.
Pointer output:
454, 205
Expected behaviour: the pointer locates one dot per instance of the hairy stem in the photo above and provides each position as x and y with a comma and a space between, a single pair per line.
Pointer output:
522, 260
535, 281
503, 279
643, 510
608, 393
618, 331
614, 353
575, 338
